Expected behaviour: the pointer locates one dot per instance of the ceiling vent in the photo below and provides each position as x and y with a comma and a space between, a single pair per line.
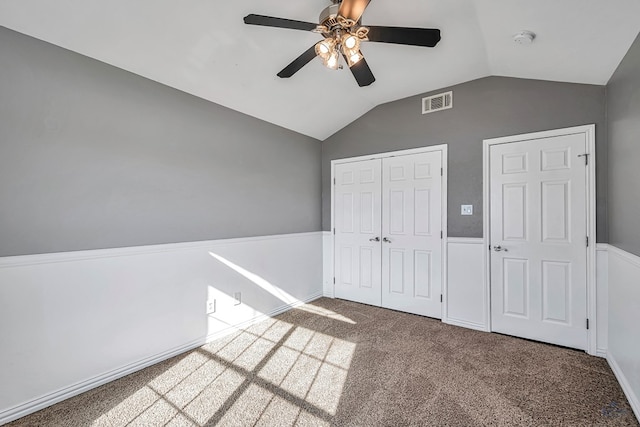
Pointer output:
442, 101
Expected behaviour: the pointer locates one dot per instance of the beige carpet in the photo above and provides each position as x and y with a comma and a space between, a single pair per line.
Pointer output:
339, 363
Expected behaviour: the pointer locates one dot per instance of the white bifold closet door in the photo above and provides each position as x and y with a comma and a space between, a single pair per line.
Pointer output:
538, 238
388, 237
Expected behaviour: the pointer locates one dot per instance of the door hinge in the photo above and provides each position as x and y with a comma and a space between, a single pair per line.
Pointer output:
440, 297
587, 323
334, 181
441, 171
334, 231
586, 158
334, 280
441, 235
587, 241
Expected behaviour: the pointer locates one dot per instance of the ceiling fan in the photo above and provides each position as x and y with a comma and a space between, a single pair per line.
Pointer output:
343, 33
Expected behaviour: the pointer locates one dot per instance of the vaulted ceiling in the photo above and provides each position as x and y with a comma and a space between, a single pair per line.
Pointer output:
204, 48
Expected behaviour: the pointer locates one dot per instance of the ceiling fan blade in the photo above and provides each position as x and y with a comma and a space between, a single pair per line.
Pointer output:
428, 37
298, 63
362, 72
270, 21
353, 9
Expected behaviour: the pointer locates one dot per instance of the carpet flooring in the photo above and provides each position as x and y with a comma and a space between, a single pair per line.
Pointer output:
338, 363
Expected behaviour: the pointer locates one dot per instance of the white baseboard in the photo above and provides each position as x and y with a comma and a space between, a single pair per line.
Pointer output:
634, 401
52, 398
466, 240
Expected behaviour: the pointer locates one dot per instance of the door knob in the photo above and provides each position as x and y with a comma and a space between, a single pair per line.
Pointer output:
375, 239
500, 249
386, 239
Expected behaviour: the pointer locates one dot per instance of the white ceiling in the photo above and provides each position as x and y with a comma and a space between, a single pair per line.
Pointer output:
204, 48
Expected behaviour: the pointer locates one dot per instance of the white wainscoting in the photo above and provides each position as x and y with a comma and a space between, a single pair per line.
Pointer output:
623, 347
602, 298
327, 264
73, 321
465, 292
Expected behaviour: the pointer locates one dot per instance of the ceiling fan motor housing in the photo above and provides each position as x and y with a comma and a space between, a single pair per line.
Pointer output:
328, 17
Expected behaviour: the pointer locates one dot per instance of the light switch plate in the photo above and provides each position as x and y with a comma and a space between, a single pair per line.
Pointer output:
466, 210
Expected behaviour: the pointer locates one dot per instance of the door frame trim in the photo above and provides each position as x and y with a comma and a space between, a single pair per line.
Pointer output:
443, 148
589, 132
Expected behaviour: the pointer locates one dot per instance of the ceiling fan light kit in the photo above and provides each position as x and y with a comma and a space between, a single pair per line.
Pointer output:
340, 26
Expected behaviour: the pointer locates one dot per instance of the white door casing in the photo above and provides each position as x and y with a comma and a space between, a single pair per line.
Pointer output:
412, 233
538, 220
357, 238
419, 183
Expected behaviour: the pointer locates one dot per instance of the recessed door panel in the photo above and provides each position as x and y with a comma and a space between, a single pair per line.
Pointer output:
514, 211
396, 173
555, 159
367, 267
422, 273
555, 212
422, 170
367, 176
422, 212
514, 163
396, 271
556, 291
346, 262
367, 212
347, 213
396, 212
346, 177
515, 287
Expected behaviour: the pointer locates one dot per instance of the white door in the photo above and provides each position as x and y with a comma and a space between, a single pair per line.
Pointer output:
357, 231
388, 232
412, 233
538, 239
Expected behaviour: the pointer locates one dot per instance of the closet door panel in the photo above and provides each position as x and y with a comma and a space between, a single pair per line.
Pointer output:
411, 233
357, 220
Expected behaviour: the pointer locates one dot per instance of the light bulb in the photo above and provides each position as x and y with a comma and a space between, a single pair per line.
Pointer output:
353, 59
324, 48
350, 41
332, 60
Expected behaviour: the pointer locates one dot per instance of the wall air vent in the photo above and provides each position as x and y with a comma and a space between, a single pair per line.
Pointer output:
441, 101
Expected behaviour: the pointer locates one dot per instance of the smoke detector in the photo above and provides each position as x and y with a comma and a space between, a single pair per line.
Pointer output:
524, 37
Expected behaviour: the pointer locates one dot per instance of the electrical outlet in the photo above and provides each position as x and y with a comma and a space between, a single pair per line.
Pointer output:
466, 210
211, 307
238, 297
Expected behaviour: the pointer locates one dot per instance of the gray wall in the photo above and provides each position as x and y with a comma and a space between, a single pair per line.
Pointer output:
485, 108
92, 157
623, 116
